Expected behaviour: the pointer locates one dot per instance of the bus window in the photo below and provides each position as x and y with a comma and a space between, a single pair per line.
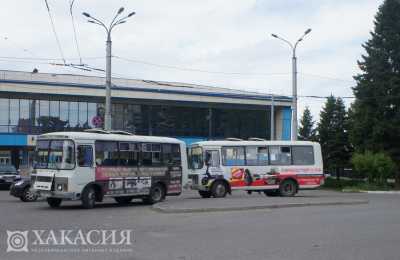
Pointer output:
151, 155
251, 156
106, 153
280, 155
171, 154
176, 154
129, 154
156, 154
214, 158
85, 156
232, 156
196, 158
262, 155
256, 156
303, 155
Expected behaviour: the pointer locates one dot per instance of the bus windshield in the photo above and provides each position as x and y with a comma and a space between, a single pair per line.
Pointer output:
196, 158
54, 154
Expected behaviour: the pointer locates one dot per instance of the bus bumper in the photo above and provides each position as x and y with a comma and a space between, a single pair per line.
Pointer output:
58, 195
199, 187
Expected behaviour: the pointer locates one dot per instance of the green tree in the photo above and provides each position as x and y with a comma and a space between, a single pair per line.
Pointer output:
333, 135
376, 110
306, 129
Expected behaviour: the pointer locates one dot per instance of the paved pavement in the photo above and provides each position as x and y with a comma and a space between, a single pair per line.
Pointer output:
365, 231
191, 202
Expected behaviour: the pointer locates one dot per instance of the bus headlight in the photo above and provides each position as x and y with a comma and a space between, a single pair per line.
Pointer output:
204, 181
61, 184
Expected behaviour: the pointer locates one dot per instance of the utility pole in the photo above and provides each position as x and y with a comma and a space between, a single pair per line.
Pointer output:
272, 118
294, 80
115, 22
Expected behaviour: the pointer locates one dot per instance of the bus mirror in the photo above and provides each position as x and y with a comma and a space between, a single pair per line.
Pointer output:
208, 158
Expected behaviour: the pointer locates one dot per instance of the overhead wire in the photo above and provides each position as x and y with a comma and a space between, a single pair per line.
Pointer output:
195, 70
54, 31
71, 4
46, 59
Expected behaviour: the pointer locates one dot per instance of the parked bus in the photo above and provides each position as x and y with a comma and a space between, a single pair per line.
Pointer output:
91, 165
273, 167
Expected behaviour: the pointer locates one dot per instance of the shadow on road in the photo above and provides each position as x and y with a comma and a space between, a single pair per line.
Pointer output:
105, 205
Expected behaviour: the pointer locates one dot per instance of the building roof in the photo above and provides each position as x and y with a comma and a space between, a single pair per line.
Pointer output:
134, 85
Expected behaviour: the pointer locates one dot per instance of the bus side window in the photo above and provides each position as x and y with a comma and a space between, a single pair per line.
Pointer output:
280, 155
233, 156
85, 156
303, 155
171, 154
107, 153
214, 158
256, 156
262, 156
129, 154
151, 154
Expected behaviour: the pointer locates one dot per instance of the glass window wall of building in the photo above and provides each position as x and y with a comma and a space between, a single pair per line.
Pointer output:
40, 116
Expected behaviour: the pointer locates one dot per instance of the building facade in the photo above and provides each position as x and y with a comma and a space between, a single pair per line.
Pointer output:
36, 103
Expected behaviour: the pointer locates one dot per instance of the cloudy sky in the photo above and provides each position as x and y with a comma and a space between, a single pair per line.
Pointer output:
222, 36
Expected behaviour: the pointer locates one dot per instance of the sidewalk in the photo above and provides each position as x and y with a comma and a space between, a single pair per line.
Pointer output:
190, 201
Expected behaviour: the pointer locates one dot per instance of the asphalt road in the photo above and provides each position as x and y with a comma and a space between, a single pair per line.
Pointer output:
367, 231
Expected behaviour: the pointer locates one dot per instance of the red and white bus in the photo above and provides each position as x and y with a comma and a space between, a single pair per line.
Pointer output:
273, 167
89, 166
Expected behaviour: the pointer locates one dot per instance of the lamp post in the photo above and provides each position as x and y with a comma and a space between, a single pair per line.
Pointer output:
294, 80
114, 22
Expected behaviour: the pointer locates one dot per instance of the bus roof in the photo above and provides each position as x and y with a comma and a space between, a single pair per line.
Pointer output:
111, 137
240, 143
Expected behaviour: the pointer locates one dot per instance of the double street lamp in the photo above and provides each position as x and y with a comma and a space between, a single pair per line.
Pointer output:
114, 22
294, 80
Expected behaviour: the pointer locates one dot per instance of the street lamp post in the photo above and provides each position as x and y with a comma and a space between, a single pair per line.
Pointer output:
294, 80
114, 22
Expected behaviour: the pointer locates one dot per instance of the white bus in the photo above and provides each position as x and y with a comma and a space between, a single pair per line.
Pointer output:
91, 165
273, 167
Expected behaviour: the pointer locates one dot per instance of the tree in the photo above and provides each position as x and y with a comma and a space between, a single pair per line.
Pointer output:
333, 135
306, 129
376, 110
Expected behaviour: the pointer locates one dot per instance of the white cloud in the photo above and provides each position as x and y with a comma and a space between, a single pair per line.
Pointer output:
216, 35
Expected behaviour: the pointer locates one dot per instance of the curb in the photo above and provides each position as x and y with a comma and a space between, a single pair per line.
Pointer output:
381, 192
273, 206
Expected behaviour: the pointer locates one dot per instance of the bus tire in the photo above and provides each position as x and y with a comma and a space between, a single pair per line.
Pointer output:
88, 198
157, 194
54, 202
28, 195
205, 194
219, 189
123, 199
271, 193
288, 188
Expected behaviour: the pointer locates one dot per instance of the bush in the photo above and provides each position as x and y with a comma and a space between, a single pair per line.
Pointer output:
376, 167
353, 185
332, 183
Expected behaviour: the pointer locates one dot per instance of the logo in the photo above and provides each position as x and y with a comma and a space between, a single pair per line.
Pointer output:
17, 241
49, 240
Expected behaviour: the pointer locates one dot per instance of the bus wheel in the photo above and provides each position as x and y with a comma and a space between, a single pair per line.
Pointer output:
88, 198
288, 188
157, 194
219, 189
205, 194
123, 200
28, 195
54, 202
271, 193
